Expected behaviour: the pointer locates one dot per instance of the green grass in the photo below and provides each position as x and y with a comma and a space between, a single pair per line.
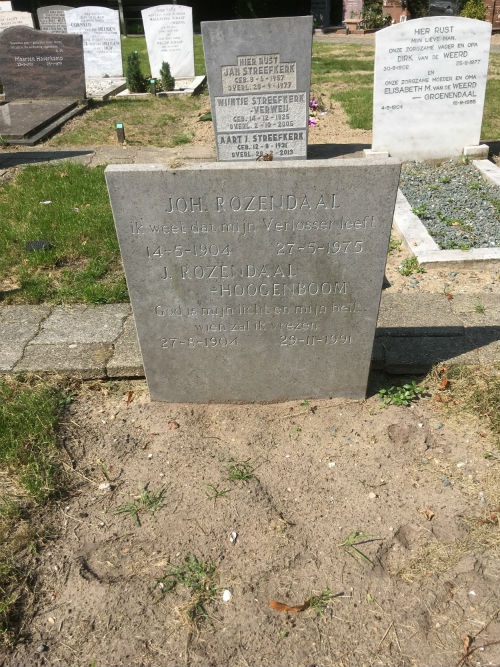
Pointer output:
403, 395
83, 263
491, 117
410, 265
131, 44
199, 577
28, 415
151, 121
30, 476
147, 502
357, 104
242, 470
351, 543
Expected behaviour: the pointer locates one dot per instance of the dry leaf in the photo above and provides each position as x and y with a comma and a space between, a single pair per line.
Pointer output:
172, 425
449, 296
438, 397
130, 397
428, 513
467, 642
284, 607
444, 383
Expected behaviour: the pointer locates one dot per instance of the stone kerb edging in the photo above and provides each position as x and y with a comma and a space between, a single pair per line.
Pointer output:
422, 245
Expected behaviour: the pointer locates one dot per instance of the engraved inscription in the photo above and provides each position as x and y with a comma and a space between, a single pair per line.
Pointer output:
260, 112
258, 73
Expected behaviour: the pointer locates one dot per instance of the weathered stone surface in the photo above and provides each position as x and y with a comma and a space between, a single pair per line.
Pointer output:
126, 360
169, 37
430, 315
83, 324
430, 80
477, 309
37, 65
255, 282
259, 74
10, 19
418, 355
102, 49
18, 325
5, 6
52, 19
84, 360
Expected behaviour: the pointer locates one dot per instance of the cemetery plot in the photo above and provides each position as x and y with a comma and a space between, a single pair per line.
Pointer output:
281, 279
43, 79
259, 95
430, 79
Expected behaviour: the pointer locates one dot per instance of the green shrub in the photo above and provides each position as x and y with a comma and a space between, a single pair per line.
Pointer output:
474, 9
167, 80
136, 82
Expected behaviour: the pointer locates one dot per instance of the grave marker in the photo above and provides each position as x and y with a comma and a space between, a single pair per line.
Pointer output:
5, 6
10, 19
430, 81
169, 37
255, 282
37, 64
259, 74
52, 18
100, 28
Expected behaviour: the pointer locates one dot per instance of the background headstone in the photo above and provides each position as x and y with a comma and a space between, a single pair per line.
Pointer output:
36, 65
5, 6
255, 282
259, 74
52, 18
9, 19
430, 81
102, 49
169, 37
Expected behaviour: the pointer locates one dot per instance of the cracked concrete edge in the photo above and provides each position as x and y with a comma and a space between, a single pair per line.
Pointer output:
420, 243
13, 318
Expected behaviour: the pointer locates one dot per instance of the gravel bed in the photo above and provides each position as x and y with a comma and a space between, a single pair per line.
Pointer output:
457, 206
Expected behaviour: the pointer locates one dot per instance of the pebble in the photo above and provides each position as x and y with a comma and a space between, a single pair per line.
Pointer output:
438, 425
372, 495
460, 464
424, 462
42, 648
233, 536
226, 595
446, 482
104, 486
333, 431
331, 464
483, 500
150, 456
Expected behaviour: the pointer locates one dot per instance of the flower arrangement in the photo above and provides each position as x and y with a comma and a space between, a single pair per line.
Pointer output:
316, 109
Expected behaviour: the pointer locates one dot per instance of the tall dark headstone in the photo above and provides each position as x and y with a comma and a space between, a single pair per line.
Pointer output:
37, 65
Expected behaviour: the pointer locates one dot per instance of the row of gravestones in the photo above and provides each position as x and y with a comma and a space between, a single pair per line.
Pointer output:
168, 30
262, 281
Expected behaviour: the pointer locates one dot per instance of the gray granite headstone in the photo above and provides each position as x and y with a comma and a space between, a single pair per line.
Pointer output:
430, 81
36, 65
52, 18
259, 74
102, 49
9, 19
255, 282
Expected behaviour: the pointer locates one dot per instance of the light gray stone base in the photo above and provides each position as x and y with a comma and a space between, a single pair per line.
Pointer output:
183, 88
481, 151
369, 152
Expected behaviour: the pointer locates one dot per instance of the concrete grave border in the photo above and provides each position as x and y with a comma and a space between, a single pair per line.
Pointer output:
422, 245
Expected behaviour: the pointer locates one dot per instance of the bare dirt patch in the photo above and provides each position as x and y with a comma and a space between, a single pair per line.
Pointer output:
414, 481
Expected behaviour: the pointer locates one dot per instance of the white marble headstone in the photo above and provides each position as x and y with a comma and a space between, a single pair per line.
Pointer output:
10, 19
169, 38
102, 49
430, 81
5, 6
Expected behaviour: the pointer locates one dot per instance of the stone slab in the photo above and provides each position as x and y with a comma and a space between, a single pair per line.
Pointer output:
489, 171
21, 119
83, 360
39, 65
18, 326
102, 49
429, 315
83, 324
52, 19
99, 88
11, 19
255, 282
479, 152
5, 6
465, 307
259, 75
126, 360
51, 126
169, 37
430, 81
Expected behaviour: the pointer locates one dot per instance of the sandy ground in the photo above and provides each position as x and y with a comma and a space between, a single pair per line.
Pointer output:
416, 483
